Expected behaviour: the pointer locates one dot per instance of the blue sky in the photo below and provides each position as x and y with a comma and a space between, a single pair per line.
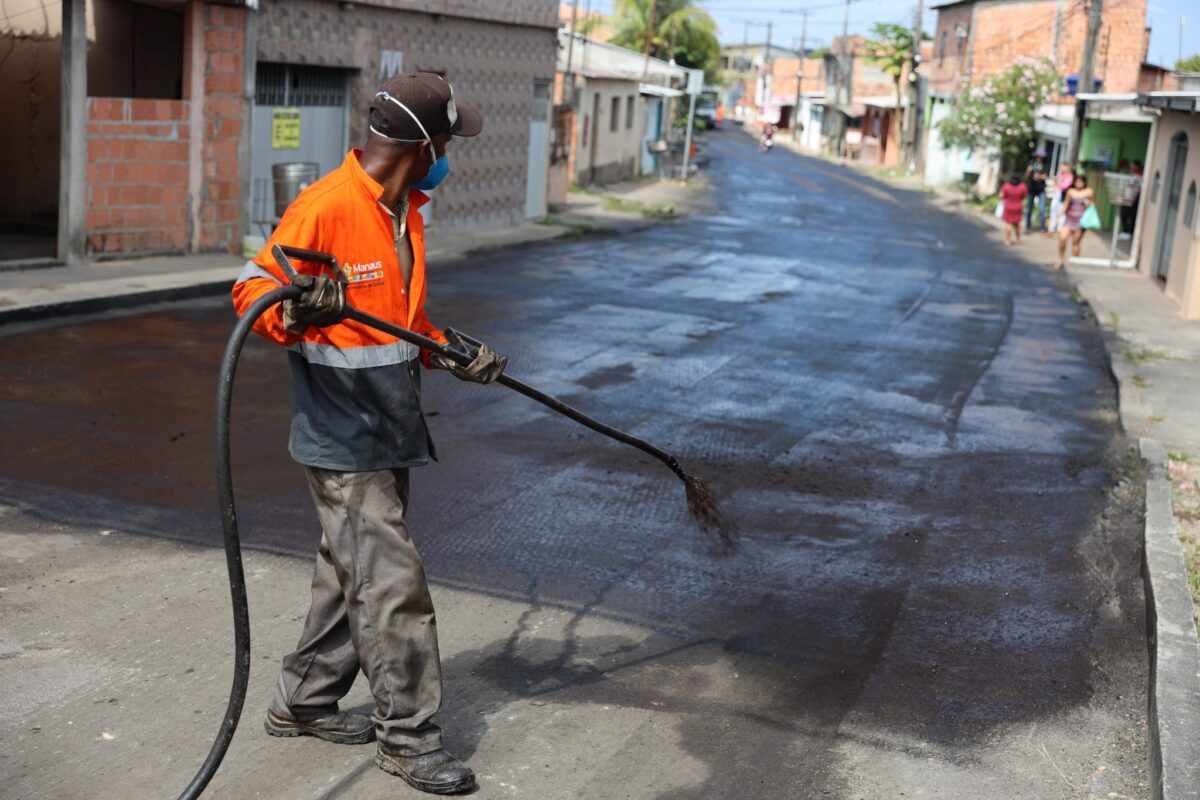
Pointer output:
825, 21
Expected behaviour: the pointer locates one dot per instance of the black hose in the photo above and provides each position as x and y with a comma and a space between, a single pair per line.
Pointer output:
233, 548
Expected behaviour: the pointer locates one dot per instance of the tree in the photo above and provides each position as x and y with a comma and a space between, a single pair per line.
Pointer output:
681, 31
997, 115
1190, 64
891, 49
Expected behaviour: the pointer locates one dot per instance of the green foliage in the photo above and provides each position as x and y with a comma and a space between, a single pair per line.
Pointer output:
1189, 64
997, 115
891, 49
681, 31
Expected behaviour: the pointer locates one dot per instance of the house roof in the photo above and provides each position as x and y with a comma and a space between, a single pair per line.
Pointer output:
1171, 101
592, 58
1104, 107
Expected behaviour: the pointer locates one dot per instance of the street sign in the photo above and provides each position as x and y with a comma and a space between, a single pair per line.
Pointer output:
695, 81
1122, 189
285, 128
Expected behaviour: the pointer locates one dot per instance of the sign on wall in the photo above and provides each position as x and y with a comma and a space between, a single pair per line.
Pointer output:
285, 128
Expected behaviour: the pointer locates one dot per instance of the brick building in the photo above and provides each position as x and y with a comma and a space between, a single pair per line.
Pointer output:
974, 39
977, 38
328, 59
153, 127
848, 79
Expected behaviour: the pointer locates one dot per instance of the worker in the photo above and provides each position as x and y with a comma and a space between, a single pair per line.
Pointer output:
357, 428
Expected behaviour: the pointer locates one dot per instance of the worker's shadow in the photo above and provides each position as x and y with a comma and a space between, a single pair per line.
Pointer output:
555, 670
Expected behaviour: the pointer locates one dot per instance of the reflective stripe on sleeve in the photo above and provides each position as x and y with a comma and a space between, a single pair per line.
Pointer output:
376, 355
252, 270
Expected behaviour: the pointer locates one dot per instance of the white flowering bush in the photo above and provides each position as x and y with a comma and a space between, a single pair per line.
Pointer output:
997, 116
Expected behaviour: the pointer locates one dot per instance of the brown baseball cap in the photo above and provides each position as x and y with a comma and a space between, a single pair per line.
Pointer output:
414, 105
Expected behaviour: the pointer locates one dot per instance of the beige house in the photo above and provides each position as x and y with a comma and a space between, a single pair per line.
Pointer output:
1170, 246
619, 106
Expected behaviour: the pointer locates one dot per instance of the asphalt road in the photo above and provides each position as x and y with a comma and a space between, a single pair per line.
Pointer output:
936, 592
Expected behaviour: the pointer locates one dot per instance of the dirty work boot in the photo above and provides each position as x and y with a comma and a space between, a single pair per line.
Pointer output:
344, 727
438, 772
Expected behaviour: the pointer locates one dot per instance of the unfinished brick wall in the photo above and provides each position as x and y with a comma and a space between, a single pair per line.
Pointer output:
220, 194
140, 180
137, 175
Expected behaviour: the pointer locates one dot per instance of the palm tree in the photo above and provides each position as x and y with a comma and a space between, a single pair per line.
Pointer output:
668, 29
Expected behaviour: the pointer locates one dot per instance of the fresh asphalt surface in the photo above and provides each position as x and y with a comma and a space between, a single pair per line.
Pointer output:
914, 431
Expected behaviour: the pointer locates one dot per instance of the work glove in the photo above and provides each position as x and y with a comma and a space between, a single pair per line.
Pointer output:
323, 303
486, 367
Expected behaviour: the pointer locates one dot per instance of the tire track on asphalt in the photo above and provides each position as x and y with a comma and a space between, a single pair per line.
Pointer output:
964, 394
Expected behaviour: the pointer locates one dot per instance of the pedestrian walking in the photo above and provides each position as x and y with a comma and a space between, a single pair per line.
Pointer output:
1132, 196
1012, 195
1078, 198
357, 428
1064, 181
1035, 181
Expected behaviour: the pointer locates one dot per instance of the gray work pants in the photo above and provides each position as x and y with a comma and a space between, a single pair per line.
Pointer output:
371, 610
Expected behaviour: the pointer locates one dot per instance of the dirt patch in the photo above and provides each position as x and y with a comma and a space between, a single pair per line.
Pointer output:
1184, 469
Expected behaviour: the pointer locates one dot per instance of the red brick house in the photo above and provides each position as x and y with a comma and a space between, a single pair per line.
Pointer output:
140, 127
974, 39
977, 38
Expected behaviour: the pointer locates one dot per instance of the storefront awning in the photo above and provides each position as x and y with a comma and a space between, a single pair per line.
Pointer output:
658, 91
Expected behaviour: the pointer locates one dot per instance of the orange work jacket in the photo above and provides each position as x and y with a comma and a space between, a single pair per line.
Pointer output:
355, 391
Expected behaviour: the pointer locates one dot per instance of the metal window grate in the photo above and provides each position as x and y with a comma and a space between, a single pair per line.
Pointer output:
297, 85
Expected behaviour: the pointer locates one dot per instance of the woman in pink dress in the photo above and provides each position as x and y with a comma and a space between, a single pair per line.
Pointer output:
1078, 198
1012, 195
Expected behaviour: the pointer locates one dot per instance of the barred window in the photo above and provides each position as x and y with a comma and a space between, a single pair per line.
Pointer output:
299, 85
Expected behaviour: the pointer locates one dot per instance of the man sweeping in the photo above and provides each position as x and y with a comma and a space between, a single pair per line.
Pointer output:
357, 428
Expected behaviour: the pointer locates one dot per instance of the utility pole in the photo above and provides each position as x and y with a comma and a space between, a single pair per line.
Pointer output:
912, 120
569, 77
844, 66
764, 95
1058, 23
800, 77
1095, 10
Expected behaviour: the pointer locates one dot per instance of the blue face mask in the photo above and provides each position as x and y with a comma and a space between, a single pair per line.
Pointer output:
437, 173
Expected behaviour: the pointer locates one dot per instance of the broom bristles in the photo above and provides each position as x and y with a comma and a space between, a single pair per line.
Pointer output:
703, 506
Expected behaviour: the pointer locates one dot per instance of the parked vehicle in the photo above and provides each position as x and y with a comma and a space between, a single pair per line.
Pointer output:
706, 111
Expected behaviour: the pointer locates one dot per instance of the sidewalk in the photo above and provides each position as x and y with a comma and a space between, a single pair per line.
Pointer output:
32, 294
116, 655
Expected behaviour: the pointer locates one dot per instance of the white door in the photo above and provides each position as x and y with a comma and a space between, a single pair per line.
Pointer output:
539, 151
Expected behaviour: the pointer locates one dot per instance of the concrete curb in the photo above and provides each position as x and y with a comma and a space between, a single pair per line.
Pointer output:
118, 299
63, 299
1174, 696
